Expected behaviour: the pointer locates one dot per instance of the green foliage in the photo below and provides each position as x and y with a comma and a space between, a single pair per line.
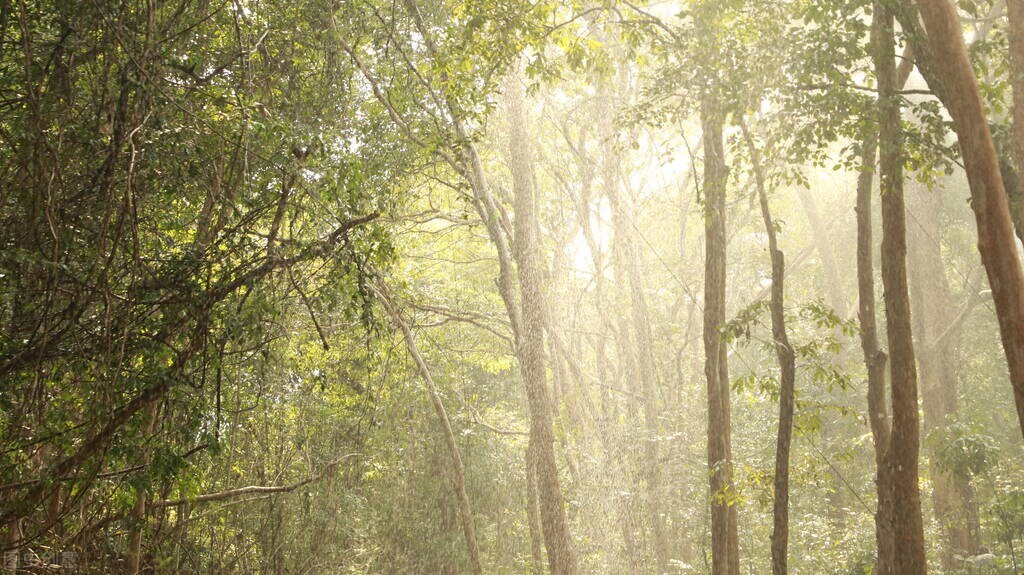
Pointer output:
965, 449
186, 310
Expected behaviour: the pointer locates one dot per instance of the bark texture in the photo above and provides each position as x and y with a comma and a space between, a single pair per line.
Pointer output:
904, 440
996, 240
533, 513
874, 360
532, 361
724, 535
1015, 13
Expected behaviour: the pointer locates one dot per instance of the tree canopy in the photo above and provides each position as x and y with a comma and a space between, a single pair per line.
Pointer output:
493, 286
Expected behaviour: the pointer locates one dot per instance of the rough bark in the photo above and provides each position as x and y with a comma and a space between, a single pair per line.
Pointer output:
533, 513
532, 361
904, 440
931, 301
874, 357
996, 242
787, 369
528, 331
724, 533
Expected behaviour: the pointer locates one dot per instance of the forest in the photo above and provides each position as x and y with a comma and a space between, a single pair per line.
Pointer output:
512, 287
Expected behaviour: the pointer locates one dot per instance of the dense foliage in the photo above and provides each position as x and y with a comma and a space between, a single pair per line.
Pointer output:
325, 286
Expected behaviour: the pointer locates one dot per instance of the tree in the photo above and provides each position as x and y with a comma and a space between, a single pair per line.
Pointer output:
457, 468
724, 536
787, 368
904, 439
996, 240
532, 364
638, 350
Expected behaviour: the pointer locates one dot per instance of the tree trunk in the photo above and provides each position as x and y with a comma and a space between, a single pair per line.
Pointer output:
904, 441
533, 513
1015, 12
528, 320
931, 302
874, 357
616, 467
532, 363
996, 240
724, 534
874, 360
787, 370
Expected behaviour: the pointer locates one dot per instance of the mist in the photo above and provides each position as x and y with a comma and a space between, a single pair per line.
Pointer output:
481, 286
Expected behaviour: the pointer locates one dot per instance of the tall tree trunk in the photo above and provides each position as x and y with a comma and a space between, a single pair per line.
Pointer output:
874, 360
874, 357
904, 441
724, 531
787, 370
996, 240
931, 302
457, 468
648, 383
532, 364
1015, 12
616, 467
533, 513
528, 320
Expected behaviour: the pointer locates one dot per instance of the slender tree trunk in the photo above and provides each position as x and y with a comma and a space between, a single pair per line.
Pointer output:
931, 302
996, 240
532, 364
457, 468
874, 360
615, 466
528, 320
904, 441
724, 531
648, 382
787, 370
